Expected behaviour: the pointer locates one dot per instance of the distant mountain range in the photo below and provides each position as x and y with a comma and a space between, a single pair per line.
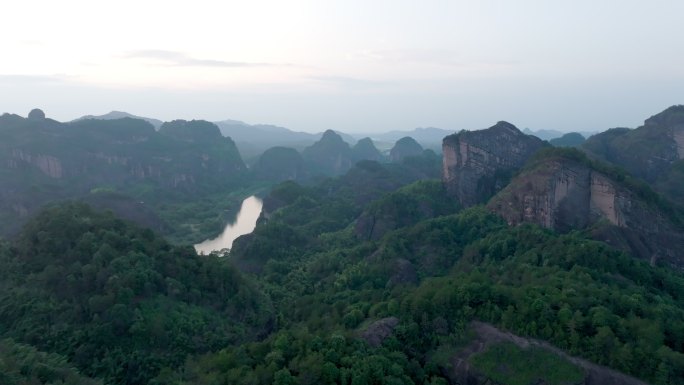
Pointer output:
423, 135
267, 133
553, 134
262, 136
119, 115
44, 160
253, 139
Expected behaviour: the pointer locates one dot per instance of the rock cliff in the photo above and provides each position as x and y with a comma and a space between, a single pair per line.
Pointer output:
649, 152
477, 164
42, 160
565, 191
462, 370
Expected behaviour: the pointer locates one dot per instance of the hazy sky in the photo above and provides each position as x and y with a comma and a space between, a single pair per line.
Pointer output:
349, 65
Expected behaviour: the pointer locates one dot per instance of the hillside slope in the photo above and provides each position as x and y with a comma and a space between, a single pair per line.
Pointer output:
563, 190
42, 160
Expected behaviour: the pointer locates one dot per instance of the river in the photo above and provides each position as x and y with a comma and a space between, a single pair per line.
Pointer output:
244, 224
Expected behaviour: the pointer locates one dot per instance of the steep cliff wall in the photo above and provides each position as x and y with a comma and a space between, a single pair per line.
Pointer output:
477, 164
42, 160
648, 151
565, 194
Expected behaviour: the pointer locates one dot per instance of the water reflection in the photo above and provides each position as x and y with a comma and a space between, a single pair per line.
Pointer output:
244, 224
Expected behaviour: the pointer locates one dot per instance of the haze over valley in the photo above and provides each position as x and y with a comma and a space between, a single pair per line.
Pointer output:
393, 192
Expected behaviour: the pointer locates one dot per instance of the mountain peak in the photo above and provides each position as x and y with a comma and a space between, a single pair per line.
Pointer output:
364, 149
331, 136
36, 114
191, 131
111, 115
477, 164
671, 116
405, 147
331, 155
504, 125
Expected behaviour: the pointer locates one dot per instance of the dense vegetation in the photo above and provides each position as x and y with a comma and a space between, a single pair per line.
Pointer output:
579, 294
121, 304
184, 162
118, 301
372, 277
571, 139
650, 152
672, 209
24, 365
531, 365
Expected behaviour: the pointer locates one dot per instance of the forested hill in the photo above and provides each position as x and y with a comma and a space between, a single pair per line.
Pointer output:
326, 298
384, 274
42, 160
396, 306
653, 152
117, 301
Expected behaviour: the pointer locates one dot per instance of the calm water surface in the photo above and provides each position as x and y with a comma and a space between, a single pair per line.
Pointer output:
244, 224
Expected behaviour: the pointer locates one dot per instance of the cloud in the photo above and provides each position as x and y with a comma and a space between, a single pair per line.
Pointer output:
433, 56
174, 58
21, 79
440, 57
349, 82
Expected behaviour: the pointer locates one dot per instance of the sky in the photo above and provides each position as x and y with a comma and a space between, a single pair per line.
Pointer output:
351, 65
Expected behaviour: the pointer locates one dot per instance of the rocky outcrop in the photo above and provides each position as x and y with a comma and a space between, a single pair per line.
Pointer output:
648, 151
36, 114
42, 160
462, 371
403, 273
47, 164
563, 194
404, 148
191, 131
477, 164
378, 331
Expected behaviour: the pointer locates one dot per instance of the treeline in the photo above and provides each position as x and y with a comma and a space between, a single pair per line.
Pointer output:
118, 301
122, 305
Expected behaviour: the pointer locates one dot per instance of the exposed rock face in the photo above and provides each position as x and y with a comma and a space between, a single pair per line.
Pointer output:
379, 330
329, 156
191, 131
364, 149
405, 147
36, 114
648, 151
47, 164
477, 164
44, 160
564, 194
461, 370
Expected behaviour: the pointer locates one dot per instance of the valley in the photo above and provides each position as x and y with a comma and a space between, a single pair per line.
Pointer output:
137, 252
